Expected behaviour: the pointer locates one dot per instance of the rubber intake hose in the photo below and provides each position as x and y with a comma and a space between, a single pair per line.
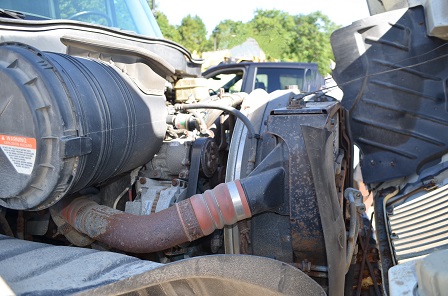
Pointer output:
265, 190
186, 221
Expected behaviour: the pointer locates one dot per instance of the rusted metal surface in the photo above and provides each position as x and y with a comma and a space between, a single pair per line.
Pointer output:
186, 221
372, 276
316, 221
306, 229
189, 220
308, 245
312, 270
131, 233
385, 254
146, 234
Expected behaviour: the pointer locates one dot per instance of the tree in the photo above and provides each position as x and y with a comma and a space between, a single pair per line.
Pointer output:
194, 34
273, 31
228, 34
169, 31
285, 37
151, 4
311, 41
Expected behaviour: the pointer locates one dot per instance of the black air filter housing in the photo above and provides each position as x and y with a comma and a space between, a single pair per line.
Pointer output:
67, 123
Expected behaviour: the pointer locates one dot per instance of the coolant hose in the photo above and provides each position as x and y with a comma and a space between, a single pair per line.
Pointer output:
237, 113
186, 221
252, 135
226, 99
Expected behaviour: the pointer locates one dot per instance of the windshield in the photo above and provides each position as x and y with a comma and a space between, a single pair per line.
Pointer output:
129, 15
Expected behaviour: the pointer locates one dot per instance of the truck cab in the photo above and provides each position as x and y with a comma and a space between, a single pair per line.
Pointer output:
269, 76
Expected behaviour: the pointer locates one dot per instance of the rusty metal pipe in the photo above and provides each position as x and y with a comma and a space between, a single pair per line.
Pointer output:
186, 221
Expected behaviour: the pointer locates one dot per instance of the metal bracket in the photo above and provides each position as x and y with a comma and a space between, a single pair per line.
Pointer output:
354, 195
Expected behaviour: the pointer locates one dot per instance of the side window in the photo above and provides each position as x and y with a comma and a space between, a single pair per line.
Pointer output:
308, 80
288, 79
230, 81
261, 81
272, 79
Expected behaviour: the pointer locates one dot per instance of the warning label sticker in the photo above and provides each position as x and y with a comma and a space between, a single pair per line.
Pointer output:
20, 151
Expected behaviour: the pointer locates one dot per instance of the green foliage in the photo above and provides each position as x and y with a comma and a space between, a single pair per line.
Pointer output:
310, 40
193, 34
228, 34
283, 37
272, 30
151, 4
169, 31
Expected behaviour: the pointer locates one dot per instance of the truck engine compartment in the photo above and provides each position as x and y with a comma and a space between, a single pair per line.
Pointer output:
114, 165
112, 178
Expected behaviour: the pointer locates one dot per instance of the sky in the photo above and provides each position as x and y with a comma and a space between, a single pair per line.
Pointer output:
341, 12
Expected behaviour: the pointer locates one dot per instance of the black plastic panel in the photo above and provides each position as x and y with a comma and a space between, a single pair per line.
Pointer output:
394, 79
67, 123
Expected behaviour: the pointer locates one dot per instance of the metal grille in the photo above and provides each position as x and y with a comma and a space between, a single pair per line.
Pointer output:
420, 227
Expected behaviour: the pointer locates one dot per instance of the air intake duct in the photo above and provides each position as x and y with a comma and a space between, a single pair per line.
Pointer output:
185, 221
67, 123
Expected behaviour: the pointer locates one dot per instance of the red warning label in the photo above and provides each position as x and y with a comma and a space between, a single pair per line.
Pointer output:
20, 151
16, 141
